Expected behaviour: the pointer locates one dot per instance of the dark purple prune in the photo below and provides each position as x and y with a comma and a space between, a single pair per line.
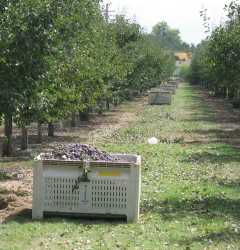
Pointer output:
77, 151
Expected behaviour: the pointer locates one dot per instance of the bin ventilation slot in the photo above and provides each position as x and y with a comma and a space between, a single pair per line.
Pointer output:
59, 193
108, 189
109, 194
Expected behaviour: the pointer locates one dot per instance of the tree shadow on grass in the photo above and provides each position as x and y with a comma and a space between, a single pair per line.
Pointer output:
206, 209
212, 116
220, 154
209, 207
33, 143
226, 235
24, 216
226, 183
220, 133
202, 118
46, 139
218, 111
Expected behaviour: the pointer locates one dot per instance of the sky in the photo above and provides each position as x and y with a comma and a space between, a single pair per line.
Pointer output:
181, 14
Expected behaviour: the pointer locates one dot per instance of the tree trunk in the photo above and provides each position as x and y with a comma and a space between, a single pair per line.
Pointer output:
115, 103
100, 109
100, 106
227, 93
230, 93
107, 105
24, 138
61, 125
39, 132
50, 129
84, 116
7, 149
73, 120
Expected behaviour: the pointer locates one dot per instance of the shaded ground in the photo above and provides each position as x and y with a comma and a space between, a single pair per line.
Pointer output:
16, 177
190, 185
106, 123
15, 188
226, 118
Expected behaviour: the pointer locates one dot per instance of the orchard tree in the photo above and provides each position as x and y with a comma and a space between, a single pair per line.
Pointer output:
35, 34
62, 57
169, 38
25, 28
216, 61
143, 61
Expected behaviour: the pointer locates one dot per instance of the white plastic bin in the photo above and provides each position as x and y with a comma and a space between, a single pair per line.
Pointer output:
111, 189
174, 83
160, 97
170, 88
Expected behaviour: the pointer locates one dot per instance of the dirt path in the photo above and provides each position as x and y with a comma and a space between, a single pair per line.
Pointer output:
16, 177
190, 195
226, 118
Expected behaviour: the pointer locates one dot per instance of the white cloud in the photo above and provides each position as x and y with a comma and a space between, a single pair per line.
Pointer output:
184, 14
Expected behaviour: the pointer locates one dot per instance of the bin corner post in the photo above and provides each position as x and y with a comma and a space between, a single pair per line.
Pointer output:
135, 187
37, 203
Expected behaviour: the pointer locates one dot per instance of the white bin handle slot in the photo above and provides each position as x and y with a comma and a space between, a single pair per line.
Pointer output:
84, 175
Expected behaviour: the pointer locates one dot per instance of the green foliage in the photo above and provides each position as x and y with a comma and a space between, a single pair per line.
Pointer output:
199, 69
138, 60
190, 191
169, 37
184, 72
25, 28
58, 58
216, 60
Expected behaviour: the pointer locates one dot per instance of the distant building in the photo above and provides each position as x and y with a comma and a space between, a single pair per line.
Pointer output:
182, 58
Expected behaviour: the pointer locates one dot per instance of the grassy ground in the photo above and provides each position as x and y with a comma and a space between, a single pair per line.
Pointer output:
190, 189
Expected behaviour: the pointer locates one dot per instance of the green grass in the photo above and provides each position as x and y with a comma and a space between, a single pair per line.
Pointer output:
190, 189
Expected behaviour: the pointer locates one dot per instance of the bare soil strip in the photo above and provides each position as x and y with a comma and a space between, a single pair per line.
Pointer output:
16, 177
226, 118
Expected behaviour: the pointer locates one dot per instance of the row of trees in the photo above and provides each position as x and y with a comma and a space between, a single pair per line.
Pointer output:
216, 60
170, 38
59, 58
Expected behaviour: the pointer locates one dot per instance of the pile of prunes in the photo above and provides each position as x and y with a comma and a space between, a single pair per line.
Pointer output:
76, 152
